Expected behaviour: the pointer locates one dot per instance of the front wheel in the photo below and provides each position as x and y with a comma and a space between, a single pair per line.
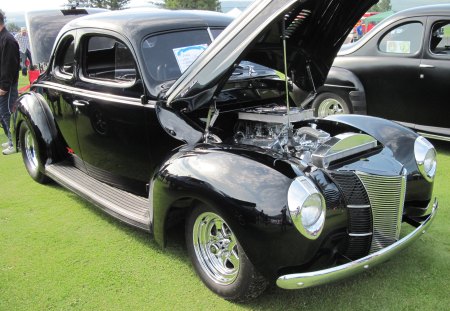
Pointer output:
218, 257
30, 154
327, 104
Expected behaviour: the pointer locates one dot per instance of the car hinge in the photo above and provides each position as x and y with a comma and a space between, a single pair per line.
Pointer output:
213, 114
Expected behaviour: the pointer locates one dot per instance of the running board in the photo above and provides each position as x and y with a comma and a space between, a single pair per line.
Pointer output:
127, 207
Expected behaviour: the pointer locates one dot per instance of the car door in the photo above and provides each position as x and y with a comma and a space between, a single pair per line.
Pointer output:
58, 92
111, 121
388, 67
435, 77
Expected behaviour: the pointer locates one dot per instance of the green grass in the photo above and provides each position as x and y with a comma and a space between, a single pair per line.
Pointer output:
58, 252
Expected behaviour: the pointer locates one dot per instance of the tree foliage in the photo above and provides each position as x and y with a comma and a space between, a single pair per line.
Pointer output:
105, 4
12, 27
212, 5
382, 6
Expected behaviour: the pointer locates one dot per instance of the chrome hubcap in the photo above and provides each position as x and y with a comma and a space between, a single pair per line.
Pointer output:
216, 248
30, 151
330, 106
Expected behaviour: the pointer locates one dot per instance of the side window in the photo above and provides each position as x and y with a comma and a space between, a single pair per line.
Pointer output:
64, 61
405, 39
108, 59
440, 38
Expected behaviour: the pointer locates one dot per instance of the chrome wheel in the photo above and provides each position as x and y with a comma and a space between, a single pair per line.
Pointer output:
30, 151
216, 248
330, 106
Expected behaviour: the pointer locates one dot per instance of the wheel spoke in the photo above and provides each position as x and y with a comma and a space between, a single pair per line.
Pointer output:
234, 260
231, 246
218, 224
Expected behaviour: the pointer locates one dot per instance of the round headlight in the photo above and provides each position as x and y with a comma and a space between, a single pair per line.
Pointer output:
425, 155
306, 207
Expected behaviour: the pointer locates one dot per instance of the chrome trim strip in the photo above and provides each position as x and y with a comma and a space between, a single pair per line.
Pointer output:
360, 234
358, 206
338, 86
434, 132
101, 96
308, 279
433, 136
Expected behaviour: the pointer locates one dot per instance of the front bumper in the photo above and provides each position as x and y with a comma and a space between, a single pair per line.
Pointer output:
308, 279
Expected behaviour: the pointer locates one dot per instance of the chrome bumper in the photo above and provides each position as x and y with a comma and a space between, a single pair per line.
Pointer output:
308, 279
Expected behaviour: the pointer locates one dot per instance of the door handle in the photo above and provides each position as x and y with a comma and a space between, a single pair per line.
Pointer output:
80, 103
426, 66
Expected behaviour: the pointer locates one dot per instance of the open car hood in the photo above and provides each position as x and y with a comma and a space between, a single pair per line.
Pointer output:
44, 26
314, 30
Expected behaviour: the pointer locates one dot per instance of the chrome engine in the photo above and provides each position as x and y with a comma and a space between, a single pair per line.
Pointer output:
271, 128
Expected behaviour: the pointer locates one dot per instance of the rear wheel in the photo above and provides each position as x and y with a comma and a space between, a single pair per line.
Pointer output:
327, 104
218, 257
30, 154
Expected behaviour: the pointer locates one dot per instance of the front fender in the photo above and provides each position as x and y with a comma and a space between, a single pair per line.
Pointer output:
248, 189
32, 108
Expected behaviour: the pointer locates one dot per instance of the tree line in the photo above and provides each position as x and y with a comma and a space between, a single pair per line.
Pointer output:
213, 5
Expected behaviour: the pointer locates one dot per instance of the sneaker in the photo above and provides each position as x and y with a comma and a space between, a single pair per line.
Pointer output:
5, 145
9, 150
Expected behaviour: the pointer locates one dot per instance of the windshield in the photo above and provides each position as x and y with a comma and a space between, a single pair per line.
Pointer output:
168, 55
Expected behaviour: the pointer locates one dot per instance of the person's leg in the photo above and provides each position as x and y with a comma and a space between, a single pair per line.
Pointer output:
28, 54
6, 104
23, 60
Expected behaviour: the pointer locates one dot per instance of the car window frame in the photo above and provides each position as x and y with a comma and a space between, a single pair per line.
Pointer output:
431, 21
57, 72
399, 23
82, 43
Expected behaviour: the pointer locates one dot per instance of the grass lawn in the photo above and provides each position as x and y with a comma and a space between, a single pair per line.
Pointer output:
58, 252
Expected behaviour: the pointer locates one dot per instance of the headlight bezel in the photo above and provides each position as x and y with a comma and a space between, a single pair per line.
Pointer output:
423, 151
300, 191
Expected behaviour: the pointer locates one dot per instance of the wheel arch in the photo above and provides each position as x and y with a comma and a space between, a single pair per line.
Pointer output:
346, 84
32, 108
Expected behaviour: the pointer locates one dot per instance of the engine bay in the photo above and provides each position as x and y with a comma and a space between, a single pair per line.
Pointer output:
273, 128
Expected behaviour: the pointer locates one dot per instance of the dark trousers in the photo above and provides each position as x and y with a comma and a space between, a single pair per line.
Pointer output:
6, 103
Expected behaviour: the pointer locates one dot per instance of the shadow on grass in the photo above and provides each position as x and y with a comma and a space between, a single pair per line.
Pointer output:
175, 249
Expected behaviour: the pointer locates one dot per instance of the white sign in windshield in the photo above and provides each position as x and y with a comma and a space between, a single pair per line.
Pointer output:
185, 56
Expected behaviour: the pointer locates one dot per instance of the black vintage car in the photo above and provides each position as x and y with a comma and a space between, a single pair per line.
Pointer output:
400, 71
171, 118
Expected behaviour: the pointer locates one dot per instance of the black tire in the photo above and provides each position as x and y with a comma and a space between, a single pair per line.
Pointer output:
326, 104
30, 154
241, 284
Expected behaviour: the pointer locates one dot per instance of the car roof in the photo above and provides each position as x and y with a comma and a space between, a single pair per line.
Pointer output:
434, 9
136, 23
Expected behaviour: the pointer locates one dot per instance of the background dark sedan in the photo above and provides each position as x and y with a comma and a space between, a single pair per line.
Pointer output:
400, 71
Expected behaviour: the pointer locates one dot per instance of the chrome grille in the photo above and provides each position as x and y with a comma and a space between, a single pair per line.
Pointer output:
387, 197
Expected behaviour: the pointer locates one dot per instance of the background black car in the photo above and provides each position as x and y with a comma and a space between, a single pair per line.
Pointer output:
400, 71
